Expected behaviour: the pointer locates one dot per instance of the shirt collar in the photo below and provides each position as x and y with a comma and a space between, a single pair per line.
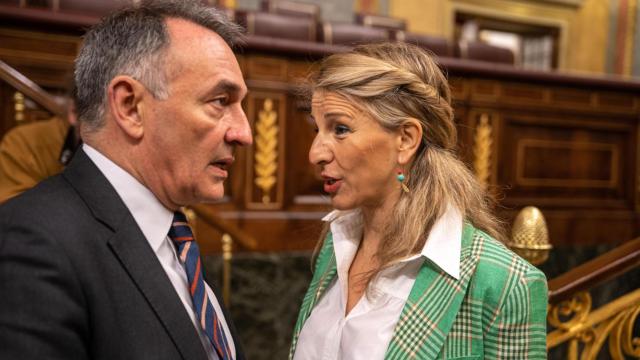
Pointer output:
151, 216
443, 245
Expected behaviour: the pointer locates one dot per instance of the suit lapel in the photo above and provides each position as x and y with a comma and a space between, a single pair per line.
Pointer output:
135, 254
142, 265
432, 307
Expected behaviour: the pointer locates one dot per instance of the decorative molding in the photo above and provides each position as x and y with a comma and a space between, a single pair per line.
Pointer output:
570, 313
482, 144
266, 155
524, 180
18, 106
587, 331
264, 186
227, 256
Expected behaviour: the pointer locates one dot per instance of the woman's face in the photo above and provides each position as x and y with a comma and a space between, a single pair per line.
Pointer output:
357, 157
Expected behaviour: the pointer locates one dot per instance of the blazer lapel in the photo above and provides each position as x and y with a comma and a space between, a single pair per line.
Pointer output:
135, 254
432, 307
325, 272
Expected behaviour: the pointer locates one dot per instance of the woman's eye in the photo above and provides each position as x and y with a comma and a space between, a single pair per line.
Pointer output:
341, 129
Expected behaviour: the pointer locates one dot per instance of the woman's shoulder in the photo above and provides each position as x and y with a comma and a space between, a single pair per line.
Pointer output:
499, 270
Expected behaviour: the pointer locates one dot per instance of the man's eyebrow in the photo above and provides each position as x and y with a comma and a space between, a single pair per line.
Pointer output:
225, 86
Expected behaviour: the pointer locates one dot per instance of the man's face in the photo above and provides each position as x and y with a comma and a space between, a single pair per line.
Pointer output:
190, 137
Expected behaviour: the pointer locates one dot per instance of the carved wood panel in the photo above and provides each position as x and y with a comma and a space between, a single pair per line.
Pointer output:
265, 167
573, 162
43, 57
570, 150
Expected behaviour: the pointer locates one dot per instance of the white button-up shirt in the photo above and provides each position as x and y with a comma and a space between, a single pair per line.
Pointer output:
366, 331
155, 220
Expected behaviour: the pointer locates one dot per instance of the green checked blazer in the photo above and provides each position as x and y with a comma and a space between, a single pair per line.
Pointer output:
496, 310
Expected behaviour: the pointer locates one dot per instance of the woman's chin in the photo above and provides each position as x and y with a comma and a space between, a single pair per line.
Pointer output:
340, 204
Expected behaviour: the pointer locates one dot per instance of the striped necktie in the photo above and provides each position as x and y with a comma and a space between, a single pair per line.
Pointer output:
189, 255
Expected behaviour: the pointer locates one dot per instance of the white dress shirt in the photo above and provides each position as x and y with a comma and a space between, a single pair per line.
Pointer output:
366, 331
154, 221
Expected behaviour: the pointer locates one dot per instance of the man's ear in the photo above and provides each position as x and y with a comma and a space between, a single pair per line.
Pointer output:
125, 96
409, 139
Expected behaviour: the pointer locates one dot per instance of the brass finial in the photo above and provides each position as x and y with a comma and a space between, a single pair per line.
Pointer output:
227, 254
19, 106
530, 236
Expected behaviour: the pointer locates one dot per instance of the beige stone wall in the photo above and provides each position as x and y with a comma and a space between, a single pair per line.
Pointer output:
583, 42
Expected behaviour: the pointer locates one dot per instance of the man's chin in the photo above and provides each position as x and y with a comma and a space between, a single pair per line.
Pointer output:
211, 195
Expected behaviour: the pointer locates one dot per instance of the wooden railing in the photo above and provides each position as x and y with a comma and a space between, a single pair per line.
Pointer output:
601, 269
585, 330
30, 89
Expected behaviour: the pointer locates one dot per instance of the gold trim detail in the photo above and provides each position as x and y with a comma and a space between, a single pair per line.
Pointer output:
570, 313
629, 36
18, 106
266, 155
482, 143
227, 255
586, 332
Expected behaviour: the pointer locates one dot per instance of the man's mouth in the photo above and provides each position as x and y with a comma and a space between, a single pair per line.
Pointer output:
224, 163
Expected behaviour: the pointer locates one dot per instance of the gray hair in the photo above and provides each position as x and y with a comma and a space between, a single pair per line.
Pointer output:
132, 41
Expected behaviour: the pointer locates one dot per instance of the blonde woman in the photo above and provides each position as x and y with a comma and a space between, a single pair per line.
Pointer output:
409, 266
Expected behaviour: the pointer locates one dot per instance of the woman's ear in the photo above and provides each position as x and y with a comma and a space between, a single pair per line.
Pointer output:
409, 139
125, 97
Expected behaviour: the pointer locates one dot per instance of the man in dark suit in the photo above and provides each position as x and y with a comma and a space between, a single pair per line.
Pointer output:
98, 262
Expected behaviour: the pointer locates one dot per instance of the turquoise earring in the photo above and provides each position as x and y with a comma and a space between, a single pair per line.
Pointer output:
401, 178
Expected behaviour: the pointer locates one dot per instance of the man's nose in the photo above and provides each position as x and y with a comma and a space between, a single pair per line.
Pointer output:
239, 132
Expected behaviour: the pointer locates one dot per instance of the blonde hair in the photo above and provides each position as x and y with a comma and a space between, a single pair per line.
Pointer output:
395, 82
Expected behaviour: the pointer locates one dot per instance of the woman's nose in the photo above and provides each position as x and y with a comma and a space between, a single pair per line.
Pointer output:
319, 153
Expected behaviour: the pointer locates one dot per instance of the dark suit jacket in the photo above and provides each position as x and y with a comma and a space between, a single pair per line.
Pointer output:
78, 279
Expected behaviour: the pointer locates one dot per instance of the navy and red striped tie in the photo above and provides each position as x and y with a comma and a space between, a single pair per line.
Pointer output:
189, 255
